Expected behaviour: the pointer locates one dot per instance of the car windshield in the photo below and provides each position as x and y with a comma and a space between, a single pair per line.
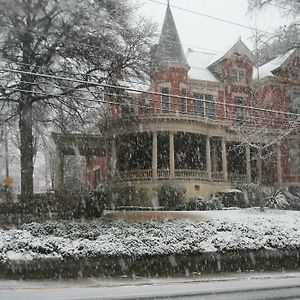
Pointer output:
149, 149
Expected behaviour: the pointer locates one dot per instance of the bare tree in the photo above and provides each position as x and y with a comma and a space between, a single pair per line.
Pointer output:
288, 6
286, 37
85, 41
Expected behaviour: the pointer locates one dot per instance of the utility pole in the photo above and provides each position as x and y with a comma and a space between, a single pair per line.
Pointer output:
6, 151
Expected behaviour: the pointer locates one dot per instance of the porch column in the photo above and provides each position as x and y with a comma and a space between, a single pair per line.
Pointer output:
224, 160
172, 155
279, 167
113, 159
214, 158
154, 155
208, 158
59, 170
248, 165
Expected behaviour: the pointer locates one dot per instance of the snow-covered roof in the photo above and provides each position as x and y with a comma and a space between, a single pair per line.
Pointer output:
198, 62
239, 47
169, 49
267, 69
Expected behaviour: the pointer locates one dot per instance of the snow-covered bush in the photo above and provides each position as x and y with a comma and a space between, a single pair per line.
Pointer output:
294, 189
232, 198
5, 193
251, 193
39, 205
239, 230
277, 200
200, 203
123, 196
170, 196
77, 204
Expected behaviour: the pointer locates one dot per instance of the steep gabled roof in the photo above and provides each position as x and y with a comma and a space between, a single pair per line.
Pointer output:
198, 62
277, 63
238, 48
169, 50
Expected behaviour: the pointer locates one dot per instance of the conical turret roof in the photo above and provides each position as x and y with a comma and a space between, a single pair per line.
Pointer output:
169, 51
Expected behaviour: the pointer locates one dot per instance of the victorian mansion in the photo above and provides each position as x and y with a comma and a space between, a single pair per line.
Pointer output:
207, 123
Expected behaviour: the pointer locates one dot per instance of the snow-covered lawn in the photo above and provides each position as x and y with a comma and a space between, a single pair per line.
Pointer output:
208, 231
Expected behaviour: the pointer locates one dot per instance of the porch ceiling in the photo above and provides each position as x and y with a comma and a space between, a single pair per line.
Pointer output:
83, 144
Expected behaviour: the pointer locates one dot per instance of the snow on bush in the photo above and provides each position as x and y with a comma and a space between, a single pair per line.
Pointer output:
224, 231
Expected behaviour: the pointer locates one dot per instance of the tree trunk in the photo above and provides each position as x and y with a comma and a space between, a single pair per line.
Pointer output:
260, 194
26, 147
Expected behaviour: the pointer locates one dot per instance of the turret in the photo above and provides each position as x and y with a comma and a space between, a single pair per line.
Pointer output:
169, 67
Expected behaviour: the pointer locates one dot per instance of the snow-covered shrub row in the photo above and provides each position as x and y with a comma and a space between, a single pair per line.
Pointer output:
224, 231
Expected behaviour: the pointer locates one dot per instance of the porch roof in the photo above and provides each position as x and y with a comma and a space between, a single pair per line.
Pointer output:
80, 144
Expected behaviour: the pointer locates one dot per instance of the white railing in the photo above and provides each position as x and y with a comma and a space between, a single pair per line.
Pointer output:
217, 176
163, 173
191, 174
179, 173
237, 177
134, 175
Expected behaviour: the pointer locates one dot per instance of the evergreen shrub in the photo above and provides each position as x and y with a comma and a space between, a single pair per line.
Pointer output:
170, 196
201, 203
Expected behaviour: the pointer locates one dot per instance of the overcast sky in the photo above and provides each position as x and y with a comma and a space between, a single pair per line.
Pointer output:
205, 34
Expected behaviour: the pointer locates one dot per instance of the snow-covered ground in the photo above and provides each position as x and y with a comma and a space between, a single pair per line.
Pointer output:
247, 229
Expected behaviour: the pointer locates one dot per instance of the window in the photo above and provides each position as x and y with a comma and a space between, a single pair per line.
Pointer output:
239, 110
237, 75
198, 104
210, 106
97, 177
204, 105
294, 157
183, 100
165, 100
294, 104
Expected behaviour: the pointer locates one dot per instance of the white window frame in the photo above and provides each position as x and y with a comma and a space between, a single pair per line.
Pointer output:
186, 88
238, 78
205, 105
163, 86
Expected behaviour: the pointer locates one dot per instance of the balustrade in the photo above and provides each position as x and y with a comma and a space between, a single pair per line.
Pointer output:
237, 177
217, 176
191, 174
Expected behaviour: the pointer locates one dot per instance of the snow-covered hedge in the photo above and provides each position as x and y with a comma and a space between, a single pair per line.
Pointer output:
223, 231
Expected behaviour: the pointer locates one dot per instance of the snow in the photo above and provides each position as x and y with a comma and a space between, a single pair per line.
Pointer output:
266, 69
247, 229
198, 62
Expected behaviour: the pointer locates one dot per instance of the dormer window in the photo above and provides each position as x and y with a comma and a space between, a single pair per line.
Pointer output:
237, 75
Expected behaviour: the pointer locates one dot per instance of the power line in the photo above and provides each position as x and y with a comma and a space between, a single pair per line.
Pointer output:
212, 17
85, 90
127, 81
76, 74
145, 92
250, 121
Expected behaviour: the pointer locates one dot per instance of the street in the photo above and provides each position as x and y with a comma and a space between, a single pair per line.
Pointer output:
229, 286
